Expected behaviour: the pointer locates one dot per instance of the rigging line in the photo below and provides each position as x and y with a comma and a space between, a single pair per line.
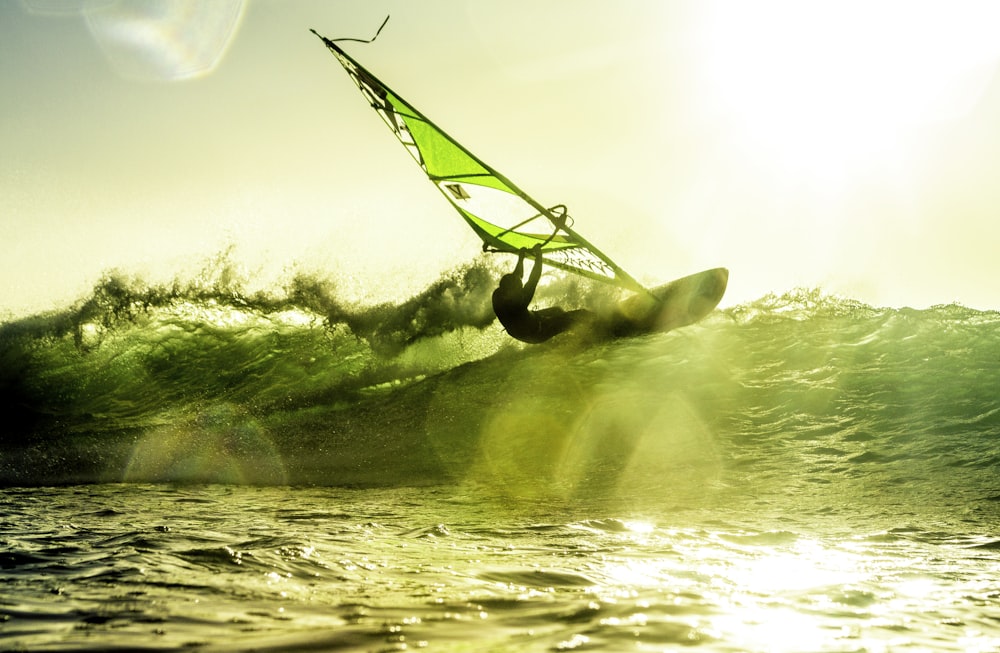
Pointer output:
526, 221
371, 40
559, 221
556, 231
563, 216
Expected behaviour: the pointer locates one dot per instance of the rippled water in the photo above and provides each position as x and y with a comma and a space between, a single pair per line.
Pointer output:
279, 569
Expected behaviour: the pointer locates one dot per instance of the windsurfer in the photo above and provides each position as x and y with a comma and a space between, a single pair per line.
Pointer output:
511, 300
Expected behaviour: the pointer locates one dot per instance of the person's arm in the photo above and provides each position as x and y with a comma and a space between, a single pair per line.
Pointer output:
519, 268
536, 274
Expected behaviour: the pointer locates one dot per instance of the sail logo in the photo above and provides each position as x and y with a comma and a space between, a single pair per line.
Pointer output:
458, 191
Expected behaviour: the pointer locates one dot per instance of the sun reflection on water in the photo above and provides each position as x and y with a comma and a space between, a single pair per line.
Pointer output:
808, 565
778, 591
780, 597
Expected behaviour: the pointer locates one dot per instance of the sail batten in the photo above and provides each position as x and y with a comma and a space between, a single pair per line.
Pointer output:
497, 210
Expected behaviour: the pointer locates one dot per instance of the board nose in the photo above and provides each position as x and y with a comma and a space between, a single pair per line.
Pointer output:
713, 286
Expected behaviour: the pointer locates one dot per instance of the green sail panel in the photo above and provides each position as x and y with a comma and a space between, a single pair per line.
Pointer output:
502, 215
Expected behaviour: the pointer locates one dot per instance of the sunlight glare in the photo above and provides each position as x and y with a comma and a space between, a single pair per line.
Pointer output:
819, 90
770, 629
640, 527
809, 565
768, 585
211, 313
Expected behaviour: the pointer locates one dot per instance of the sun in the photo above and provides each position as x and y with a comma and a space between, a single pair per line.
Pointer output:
826, 92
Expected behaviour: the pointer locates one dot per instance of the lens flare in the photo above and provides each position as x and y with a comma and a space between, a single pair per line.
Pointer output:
155, 40
220, 444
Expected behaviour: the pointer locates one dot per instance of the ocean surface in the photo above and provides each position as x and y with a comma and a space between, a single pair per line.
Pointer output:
194, 466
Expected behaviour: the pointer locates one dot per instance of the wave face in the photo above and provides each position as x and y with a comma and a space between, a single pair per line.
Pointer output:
801, 392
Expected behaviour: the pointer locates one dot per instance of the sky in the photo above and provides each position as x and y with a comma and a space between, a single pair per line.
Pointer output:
850, 146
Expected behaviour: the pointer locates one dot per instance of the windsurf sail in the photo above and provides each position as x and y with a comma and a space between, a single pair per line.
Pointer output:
504, 217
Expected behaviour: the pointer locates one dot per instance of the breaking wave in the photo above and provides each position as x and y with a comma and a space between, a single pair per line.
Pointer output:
202, 380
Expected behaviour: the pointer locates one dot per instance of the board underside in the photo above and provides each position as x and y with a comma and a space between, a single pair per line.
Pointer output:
673, 305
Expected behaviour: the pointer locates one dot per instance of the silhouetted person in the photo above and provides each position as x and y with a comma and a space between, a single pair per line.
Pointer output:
511, 300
